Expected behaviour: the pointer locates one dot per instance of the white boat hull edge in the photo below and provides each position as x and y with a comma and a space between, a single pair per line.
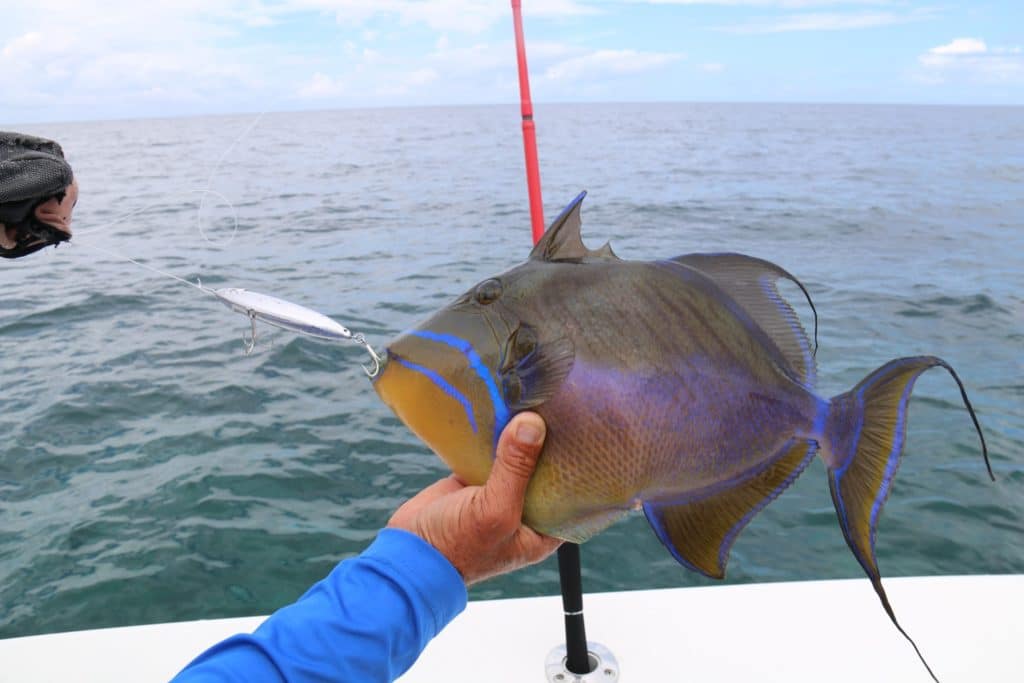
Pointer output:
970, 628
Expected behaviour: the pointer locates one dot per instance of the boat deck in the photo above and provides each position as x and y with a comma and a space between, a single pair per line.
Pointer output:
969, 628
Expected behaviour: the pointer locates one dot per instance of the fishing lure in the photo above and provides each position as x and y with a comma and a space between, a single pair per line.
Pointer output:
288, 316
269, 309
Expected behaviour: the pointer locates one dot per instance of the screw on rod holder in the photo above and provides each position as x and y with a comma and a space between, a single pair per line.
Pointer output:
604, 666
578, 661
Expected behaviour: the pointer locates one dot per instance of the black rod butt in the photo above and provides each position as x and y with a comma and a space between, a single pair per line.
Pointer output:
577, 659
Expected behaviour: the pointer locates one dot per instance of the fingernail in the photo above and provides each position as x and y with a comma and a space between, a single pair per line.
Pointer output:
528, 434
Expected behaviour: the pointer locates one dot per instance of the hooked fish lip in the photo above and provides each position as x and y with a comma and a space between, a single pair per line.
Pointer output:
383, 361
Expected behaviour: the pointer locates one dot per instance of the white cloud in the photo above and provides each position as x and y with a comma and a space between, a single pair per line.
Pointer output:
320, 86
960, 46
221, 55
971, 60
779, 4
131, 54
23, 45
712, 67
463, 16
603, 63
825, 22
407, 83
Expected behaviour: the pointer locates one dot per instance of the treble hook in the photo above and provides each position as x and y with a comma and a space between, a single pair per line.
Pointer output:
250, 343
288, 316
360, 339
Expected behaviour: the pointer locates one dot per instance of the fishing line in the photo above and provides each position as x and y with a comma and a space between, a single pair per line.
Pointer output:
209, 182
254, 305
208, 190
104, 226
113, 254
271, 310
199, 217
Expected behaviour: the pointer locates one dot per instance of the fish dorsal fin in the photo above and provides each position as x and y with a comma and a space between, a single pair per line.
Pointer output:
751, 283
563, 241
700, 533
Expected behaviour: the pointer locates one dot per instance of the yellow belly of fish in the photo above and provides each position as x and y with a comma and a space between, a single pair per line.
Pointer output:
439, 419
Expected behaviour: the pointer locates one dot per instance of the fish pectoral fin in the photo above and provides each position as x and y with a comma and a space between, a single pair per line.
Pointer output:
751, 283
700, 533
536, 377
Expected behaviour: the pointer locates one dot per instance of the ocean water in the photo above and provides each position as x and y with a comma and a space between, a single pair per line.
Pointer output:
150, 471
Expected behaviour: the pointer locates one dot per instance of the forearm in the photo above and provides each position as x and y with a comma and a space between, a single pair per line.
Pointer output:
367, 621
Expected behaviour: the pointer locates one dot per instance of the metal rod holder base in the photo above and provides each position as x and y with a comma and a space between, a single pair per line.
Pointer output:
604, 667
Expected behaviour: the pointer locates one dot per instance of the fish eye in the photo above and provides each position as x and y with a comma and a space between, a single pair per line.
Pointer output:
488, 291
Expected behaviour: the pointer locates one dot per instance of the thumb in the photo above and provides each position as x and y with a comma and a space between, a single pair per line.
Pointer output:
516, 457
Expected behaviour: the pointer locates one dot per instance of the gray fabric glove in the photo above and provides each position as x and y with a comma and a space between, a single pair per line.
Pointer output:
37, 194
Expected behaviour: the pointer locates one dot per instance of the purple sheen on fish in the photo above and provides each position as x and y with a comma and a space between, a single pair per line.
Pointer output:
684, 387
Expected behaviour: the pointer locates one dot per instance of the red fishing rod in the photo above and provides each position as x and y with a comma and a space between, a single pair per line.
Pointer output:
577, 657
529, 130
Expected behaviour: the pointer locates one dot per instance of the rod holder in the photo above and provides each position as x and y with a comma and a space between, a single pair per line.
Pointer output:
605, 668
577, 661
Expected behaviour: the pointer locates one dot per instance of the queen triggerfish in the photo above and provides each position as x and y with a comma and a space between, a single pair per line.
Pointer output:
683, 387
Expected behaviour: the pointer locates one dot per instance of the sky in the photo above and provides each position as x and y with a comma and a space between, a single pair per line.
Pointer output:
68, 60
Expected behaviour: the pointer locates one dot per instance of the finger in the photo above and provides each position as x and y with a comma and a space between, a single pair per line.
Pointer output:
526, 547
534, 546
518, 449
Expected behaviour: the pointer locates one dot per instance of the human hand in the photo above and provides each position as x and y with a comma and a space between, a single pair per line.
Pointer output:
37, 194
479, 528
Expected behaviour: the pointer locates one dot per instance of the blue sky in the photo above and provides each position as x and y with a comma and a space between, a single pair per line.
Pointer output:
76, 59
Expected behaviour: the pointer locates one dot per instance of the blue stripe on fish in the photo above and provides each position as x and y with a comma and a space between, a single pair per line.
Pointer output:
501, 414
651, 511
838, 473
894, 458
820, 418
570, 206
443, 385
892, 461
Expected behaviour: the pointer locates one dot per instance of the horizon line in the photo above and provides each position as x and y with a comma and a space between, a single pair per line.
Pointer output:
514, 105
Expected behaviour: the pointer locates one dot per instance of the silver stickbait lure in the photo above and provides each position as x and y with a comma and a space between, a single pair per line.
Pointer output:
271, 310
288, 316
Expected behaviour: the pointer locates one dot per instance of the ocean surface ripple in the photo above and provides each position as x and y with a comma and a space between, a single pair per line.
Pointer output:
152, 472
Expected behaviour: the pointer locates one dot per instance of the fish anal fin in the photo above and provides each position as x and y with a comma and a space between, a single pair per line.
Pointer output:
700, 533
751, 284
563, 241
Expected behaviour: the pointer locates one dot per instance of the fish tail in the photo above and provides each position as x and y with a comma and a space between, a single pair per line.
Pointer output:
862, 443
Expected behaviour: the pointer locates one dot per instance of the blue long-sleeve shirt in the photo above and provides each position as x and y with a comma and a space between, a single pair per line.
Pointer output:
367, 621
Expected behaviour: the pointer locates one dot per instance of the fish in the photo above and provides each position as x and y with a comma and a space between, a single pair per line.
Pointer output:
682, 387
